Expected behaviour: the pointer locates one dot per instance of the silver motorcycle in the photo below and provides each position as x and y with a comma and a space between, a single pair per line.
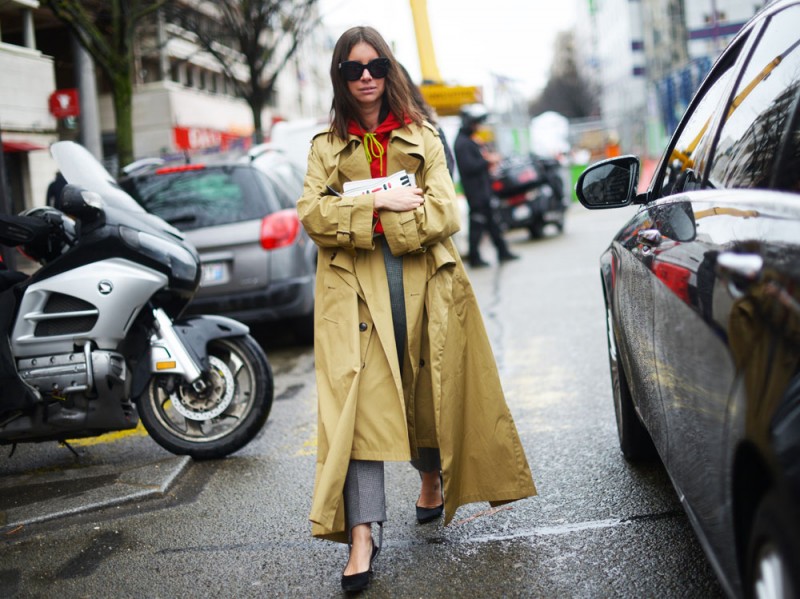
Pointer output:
94, 340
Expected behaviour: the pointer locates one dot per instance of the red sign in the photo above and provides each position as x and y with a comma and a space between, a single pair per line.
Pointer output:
198, 138
64, 103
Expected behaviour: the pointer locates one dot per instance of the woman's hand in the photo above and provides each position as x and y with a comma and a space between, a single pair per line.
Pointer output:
399, 199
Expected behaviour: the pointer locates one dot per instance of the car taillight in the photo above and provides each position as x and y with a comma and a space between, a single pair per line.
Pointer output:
279, 229
675, 278
497, 185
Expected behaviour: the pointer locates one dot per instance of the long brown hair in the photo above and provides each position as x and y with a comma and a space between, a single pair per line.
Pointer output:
397, 93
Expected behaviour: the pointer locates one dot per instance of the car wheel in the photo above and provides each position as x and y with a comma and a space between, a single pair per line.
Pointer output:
634, 440
773, 557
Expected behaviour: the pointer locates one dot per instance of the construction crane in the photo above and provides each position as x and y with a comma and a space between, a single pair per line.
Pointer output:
445, 99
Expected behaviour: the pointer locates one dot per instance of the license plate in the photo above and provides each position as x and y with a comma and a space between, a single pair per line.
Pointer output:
552, 216
214, 273
521, 212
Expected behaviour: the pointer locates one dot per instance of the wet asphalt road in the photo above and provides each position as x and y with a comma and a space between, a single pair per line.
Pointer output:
238, 527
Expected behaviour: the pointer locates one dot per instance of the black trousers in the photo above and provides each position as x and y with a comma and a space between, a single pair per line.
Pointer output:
481, 221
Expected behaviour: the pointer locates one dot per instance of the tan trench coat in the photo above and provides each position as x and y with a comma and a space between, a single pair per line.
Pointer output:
449, 396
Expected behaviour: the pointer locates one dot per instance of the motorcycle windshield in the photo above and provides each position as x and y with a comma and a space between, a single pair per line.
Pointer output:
80, 168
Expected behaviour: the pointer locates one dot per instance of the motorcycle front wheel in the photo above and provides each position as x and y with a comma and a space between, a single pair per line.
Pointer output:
225, 416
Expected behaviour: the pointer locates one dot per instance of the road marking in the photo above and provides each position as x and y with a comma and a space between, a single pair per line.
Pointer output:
546, 531
309, 446
139, 431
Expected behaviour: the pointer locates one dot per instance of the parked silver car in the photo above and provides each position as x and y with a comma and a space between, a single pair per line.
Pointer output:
258, 263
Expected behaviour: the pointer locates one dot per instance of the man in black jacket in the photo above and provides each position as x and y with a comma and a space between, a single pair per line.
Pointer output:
473, 167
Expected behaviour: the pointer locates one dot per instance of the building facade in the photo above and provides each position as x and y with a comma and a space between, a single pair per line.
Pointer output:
27, 127
648, 58
613, 58
707, 26
182, 103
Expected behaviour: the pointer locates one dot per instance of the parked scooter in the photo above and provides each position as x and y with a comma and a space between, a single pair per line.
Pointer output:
97, 339
530, 194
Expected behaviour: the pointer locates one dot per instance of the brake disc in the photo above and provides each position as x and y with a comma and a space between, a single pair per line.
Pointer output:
214, 400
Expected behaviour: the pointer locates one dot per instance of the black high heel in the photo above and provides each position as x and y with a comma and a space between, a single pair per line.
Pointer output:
355, 583
429, 514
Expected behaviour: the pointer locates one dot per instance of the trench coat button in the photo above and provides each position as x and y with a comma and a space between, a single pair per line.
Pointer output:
421, 363
362, 327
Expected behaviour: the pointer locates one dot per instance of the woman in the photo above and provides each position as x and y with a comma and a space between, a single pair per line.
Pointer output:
404, 367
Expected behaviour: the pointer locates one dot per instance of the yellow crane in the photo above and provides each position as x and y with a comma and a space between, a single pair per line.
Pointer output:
445, 99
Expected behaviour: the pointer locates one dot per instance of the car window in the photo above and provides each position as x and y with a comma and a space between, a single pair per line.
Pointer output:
204, 197
689, 154
787, 171
761, 108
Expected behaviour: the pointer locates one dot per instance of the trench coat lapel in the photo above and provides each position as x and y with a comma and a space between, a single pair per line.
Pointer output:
407, 144
353, 166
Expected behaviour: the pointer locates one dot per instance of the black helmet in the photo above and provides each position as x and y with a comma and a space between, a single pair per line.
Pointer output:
473, 114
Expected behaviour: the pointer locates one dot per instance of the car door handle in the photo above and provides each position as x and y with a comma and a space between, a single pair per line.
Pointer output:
649, 237
743, 266
741, 270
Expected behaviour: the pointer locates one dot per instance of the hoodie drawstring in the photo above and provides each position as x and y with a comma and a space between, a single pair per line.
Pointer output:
373, 149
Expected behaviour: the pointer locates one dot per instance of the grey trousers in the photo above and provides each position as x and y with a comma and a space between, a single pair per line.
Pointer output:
364, 491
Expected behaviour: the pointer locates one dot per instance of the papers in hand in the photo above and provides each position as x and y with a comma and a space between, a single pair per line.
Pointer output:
398, 179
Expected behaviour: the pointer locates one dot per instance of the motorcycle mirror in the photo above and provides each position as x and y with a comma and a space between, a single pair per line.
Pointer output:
80, 203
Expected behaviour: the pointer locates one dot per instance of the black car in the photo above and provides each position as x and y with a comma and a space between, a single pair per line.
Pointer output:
702, 289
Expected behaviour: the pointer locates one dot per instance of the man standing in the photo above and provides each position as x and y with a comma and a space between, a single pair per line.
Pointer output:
473, 166
55, 188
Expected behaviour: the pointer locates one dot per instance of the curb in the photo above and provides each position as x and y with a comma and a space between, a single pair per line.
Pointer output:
70, 492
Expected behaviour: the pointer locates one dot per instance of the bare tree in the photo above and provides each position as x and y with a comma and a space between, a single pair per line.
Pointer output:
261, 34
107, 29
567, 91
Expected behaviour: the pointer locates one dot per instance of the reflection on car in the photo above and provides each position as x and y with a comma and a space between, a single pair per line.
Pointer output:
258, 263
702, 290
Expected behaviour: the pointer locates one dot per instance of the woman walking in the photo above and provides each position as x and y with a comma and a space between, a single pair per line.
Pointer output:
404, 367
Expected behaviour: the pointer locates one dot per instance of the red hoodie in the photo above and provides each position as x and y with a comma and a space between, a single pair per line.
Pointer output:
376, 144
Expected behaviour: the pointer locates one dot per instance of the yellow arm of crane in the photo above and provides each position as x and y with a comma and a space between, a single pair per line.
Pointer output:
422, 28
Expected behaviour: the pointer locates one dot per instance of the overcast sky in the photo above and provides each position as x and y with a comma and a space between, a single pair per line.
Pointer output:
471, 38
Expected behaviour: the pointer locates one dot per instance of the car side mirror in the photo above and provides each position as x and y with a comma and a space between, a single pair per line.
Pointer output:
84, 205
610, 183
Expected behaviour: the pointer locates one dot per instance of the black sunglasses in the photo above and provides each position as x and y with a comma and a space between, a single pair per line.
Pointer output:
352, 70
